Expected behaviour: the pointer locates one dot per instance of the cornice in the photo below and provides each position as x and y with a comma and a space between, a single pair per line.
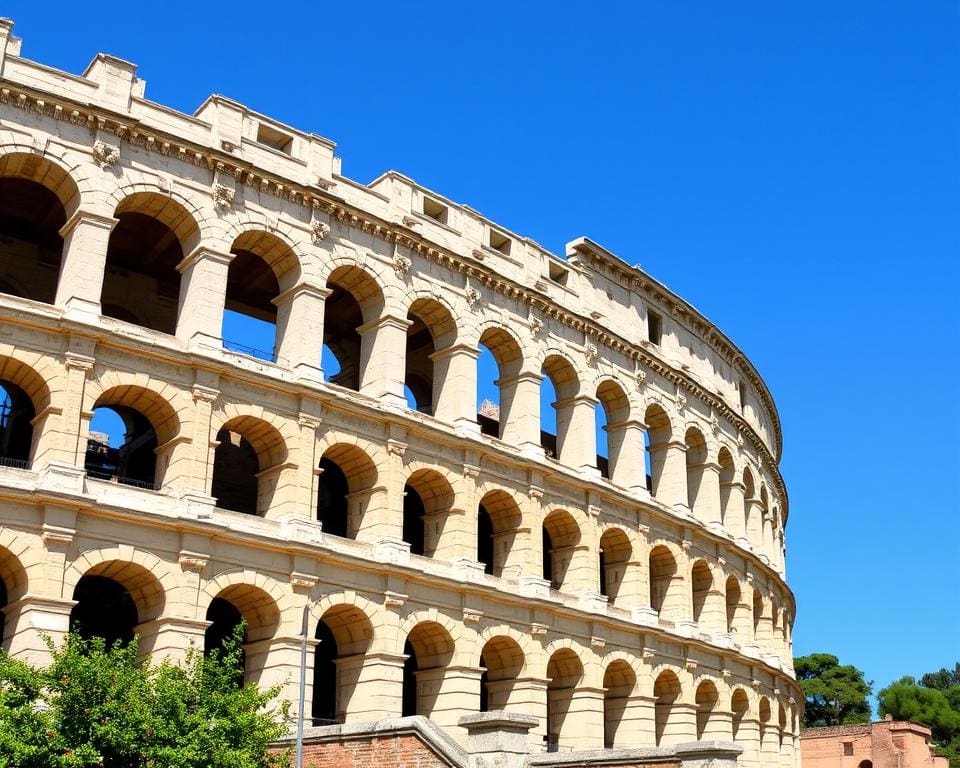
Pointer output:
134, 132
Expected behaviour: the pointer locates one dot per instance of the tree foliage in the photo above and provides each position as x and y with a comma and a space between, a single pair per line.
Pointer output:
98, 706
835, 694
933, 702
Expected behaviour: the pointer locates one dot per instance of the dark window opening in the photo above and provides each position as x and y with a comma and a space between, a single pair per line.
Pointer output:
225, 619
235, 467
16, 426
104, 609
3, 619
271, 137
435, 210
485, 545
323, 710
342, 316
419, 373
654, 327
332, 498
603, 574
31, 217
413, 512
409, 705
484, 686
547, 542
131, 458
250, 316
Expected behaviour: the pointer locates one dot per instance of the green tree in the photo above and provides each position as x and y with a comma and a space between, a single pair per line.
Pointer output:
836, 694
936, 708
97, 706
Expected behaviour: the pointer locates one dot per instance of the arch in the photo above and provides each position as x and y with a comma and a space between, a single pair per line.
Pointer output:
706, 699
432, 329
429, 650
141, 282
619, 684
663, 571
37, 196
733, 595
565, 384
248, 454
499, 518
739, 705
613, 412
666, 692
701, 582
659, 435
564, 673
728, 472
355, 299
428, 497
149, 422
263, 266
507, 355
502, 660
696, 458
113, 598
344, 630
347, 473
257, 607
615, 554
561, 534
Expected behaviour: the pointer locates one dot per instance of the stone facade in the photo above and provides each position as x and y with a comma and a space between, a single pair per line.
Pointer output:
447, 564
887, 744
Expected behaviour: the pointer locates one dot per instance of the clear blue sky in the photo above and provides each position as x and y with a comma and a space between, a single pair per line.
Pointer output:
789, 168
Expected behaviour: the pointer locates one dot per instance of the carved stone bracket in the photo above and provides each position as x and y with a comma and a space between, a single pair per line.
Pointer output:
105, 155
319, 230
401, 264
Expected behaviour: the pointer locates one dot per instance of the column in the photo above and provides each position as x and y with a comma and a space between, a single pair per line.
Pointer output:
754, 524
748, 736
383, 353
29, 619
742, 625
680, 722
528, 696
583, 724
766, 546
203, 292
453, 691
86, 236
370, 687
300, 329
457, 537
707, 507
764, 627
732, 507
669, 464
201, 477
577, 434
713, 617
75, 421
520, 411
170, 637
719, 725
626, 455
455, 386
635, 727
275, 662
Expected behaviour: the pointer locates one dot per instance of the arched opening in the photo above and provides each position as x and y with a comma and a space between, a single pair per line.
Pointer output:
564, 672
498, 518
727, 477
262, 267
141, 283
431, 330
610, 418
865, 764
35, 197
113, 599
261, 618
666, 691
498, 366
346, 477
615, 553
749, 506
658, 436
428, 649
765, 726
757, 613
501, 660
17, 413
739, 705
782, 723
128, 426
246, 463
701, 581
733, 598
619, 681
355, 299
224, 618
557, 391
706, 699
562, 535
345, 633
696, 455
427, 500
663, 570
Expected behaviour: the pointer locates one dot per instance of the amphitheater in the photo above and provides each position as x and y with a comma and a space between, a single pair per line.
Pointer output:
469, 578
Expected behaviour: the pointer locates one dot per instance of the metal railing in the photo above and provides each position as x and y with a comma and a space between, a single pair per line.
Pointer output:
6, 461
243, 349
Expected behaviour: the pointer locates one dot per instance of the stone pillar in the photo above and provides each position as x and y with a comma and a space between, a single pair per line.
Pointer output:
275, 662
455, 386
681, 723
170, 637
454, 693
742, 626
29, 619
528, 696
670, 487
520, 411
383, 354
678, 599
719, 726
709, 755
73, 422
455, 536
764, 627
766, 546
200, 478
734, 510
713, 617
626, 455
754, 524
370, 686
635, 727
748, 737
577, 434
304, 504
300, 329
203, 293
498, 739
583, 725
769, 745
86, 236
707, 507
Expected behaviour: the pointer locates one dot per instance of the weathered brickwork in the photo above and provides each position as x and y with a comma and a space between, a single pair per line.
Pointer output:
887, 744
447, 563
